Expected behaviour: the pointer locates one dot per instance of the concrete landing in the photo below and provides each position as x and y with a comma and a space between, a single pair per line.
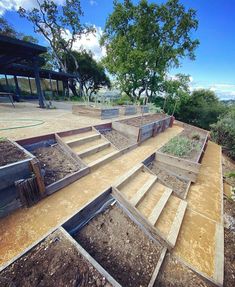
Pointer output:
21, 229
200, 241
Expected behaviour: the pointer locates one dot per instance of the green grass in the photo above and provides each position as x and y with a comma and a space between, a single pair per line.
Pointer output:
180, 146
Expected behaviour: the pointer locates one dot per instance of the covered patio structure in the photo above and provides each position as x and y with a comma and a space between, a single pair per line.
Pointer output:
20, 58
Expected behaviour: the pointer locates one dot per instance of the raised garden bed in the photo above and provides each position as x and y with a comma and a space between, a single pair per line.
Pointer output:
93, 111
116, 242
56, 261
144, 127
16, 164
179, 186
128, 110
118, 139
60, 166
182, 154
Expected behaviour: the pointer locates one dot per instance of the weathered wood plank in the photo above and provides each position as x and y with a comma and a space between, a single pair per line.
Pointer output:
156, 212
178, 162
35, 165
93, 149
175, 227
95, 164
76, 142
128, 130
219, 255
157, 268
143, 190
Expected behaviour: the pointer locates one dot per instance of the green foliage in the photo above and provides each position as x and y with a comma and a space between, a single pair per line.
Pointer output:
91, 74
52, 22
124, 100
6, 29
154, 109
202, 108
180, 146
223, 132
144, 41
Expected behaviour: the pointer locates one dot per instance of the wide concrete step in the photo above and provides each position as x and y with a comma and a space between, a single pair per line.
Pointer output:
135, 187
93, 149
171, 218
103, 159
74, 137
153, 217
143, 190
77, 142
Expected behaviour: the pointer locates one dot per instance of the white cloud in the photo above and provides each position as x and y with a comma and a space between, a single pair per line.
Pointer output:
93, 2
90, 42
15, 4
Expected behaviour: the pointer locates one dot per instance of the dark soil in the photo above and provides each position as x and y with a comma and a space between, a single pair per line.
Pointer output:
174, 274
10, 153
178, 185
229, 242
117, 139
56, 163
121, 247
228, 167
53, 263
140, 121
197, 138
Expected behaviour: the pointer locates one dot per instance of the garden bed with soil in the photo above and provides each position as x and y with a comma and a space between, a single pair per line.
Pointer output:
119, 140
105, 230
10, 153
178, 185
141, 121
54, 262
55, 163
95, 111
175, 274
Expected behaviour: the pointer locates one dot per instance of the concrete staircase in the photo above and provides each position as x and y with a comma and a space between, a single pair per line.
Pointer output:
91, 147
154, 201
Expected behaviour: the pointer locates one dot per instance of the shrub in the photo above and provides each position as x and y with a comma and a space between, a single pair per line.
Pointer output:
223, 132
180, 146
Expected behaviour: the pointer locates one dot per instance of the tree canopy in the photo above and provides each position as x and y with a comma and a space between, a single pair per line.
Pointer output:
144, 41
91, 74
61, 26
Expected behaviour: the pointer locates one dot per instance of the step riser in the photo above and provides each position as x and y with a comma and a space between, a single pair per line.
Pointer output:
156, 212
128, 176
93, 150
93, 165
83, 140
142, 191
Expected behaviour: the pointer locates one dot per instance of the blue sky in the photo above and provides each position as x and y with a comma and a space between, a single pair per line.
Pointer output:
214, 66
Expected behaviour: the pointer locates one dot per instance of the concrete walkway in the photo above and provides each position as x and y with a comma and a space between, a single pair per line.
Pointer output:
21, 229
201, 236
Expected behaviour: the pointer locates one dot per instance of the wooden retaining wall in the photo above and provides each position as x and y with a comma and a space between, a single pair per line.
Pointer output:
91, 111
127, 110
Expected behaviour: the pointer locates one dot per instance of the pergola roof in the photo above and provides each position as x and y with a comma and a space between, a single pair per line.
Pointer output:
27, 71
14, 50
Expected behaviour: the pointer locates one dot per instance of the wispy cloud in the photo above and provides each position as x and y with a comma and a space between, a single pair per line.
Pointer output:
93, 2
15, 4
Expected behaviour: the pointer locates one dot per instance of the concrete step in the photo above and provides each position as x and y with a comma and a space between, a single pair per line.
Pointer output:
159, 206
127, 176
83, 140
93, 149
136, 185
143, 190
73, 137
104, 159
171, 218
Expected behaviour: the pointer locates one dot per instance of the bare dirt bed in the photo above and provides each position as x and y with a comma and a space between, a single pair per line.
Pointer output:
117, 139
196, 139
229, 242
9, 153
55, 163
140, 121
121, 247
228, 167
179, 186
174, 274
55, 262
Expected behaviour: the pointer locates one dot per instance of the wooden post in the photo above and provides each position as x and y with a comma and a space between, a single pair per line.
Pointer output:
38, 84
17, 87
57, 88
30, 87
51, 86
35, 165
7, 84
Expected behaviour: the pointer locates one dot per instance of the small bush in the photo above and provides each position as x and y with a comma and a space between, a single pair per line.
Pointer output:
223, 132
180, 146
